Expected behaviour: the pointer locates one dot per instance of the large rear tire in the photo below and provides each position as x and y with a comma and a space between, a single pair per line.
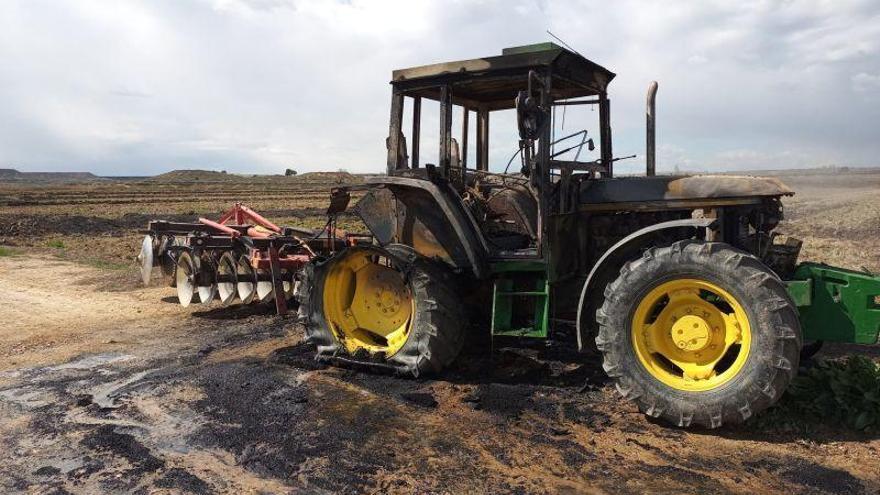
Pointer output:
699, 333
390, 308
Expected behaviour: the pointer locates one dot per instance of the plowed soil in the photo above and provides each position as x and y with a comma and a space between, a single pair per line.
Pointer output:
108, 387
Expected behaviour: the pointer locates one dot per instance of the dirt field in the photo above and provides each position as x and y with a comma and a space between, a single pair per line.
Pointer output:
106, 386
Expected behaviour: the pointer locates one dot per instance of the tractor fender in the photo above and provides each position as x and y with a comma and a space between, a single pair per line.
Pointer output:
426, 216
622, 246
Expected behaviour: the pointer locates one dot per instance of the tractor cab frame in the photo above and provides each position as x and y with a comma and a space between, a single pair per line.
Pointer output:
531, 80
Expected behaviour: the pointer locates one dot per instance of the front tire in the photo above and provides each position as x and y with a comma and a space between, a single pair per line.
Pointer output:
699, 333
382, 307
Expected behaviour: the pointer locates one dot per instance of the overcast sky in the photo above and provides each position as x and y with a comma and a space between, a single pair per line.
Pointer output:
256, 86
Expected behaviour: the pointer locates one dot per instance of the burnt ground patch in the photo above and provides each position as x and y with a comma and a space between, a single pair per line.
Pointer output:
108, 438
810, 476
311, 427
279, 423
268, 424
674, 476
818, 478
183, 480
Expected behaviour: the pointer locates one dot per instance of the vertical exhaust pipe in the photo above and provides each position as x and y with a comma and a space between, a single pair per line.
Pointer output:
651, 151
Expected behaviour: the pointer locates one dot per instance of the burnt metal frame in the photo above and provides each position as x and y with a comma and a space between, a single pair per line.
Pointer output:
541, 176
445, 132
483, 139
394, 131
483, 111
607, 156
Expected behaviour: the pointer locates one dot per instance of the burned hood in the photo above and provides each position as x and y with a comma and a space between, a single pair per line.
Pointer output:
636, 189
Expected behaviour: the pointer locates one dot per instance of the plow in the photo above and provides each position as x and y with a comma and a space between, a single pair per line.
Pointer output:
683, 286
241, 257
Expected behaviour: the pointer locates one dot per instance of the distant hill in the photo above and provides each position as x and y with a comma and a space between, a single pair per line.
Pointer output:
177, 176
12, 175
327, 177
196, 176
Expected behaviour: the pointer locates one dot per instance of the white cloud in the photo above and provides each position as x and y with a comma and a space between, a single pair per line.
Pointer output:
864, 83
697, 60
260, 85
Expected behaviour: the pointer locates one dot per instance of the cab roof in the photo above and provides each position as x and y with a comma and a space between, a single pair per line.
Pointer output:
493, 82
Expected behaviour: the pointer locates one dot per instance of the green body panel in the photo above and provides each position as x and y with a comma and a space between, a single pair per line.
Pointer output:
801, 292
505, 296
835, 304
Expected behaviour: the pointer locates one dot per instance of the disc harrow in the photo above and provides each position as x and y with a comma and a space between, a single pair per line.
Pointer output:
242, 256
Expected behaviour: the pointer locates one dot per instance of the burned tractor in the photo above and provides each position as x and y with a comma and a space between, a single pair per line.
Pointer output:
698, 308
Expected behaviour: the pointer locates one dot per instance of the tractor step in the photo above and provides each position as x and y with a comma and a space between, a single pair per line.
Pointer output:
520, 304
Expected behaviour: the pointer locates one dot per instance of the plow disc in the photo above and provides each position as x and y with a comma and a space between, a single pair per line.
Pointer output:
186, 278
145, 259
246, 280
158, 251
206, 282
265, 286
194, 277
226, 279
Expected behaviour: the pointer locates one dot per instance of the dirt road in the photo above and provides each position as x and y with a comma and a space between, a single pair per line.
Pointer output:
121, 392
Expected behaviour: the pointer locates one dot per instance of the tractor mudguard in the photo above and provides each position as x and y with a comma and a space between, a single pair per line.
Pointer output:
612, 258
835, 304
426, 216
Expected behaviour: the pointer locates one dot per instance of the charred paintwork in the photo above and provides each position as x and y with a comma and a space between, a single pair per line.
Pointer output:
495, 81
427, 216
645, 189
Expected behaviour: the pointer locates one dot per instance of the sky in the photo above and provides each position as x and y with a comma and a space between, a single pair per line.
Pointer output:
258, 86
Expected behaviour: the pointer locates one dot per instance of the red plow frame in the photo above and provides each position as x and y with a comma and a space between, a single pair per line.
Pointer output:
241, 255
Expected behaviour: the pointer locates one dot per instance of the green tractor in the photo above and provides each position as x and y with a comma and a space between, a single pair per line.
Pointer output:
699, 310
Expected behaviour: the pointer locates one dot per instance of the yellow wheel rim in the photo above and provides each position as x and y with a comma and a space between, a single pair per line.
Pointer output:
367, 304
691, 335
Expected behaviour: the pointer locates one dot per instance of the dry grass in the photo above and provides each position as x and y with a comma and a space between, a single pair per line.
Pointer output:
837, 217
